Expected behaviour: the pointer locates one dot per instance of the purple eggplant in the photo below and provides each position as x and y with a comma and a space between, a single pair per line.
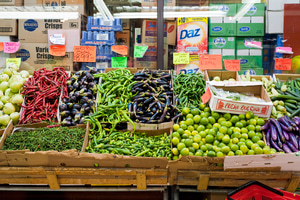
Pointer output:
285, 128
298, 142
286, 135
284, 122
275, 145
266, 126
293, 140
290, 121
291, 146
279, 143
268, 136
297, 120
286, 148
273, 132
278, 127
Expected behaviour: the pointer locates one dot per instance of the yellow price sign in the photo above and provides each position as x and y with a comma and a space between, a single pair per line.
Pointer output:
181, 58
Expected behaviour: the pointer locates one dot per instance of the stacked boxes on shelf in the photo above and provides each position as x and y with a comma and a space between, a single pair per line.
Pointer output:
100, 33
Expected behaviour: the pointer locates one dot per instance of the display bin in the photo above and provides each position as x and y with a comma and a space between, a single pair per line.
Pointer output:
259, 77
257, 190
285, 77
224, 75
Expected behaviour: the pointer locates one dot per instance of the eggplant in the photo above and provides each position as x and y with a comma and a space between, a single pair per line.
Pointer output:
286, 135
84, 105
278, 127
87, 109
66, 100
81, 120
93, 71
91, 84
73, 99
267, 137
84, 100
69, 105
162, 117
293, 140
298, 143
65, 113
279, 143
286, 148
77, 106
78, 116
284, 128
68, 119
273, 132
275, 145
74, 111
70, 88
90, 78
291, 146
297, 120
283, 121
69, 82
63, 107
91, 104
89, 94
66, 123
76, 85
76, 94
266, 126
290, 121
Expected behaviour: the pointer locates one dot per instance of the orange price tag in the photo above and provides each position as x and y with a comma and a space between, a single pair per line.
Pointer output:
57, 50
210, 62
206, 96
84, 54
120, 49
1, 46
232, 65
283, 64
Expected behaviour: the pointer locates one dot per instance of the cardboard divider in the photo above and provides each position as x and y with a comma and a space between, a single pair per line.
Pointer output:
285, 77
224, 75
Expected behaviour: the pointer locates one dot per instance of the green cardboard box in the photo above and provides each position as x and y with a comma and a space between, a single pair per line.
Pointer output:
223, 26
250, 57
240, 42
252, 22
253, 71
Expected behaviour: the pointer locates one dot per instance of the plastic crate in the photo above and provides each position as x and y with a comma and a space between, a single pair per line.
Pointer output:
257, 191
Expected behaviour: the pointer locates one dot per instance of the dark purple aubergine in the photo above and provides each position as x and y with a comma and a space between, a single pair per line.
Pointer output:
279, 143
266, 126
286, 149
297, 120
290, 121
282, 120
77, 106
275, 145
268, 136
291, 146
293, 140
286, 135
278, 128
273, 132
284, 128
66, 100
63, 107
65, 113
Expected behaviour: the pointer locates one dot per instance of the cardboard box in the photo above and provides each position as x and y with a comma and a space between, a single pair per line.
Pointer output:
192, 67
225, 105
36, 55
123, 38
252, 23
230, 9
126, 24
259, 77
171, 33
250, 57
274, 22
253, 71
152, 3
285, 77
226, 1
150, 58
58, 3
192, 35
149, 32
214, 196
8, 27
197, 3
72, 37
11, 3
31, 30
152, 129
224, 75
278, 5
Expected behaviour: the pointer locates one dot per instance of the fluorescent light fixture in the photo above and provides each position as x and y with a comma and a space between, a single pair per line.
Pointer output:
38, 15
153, 15
102, 8
244, 10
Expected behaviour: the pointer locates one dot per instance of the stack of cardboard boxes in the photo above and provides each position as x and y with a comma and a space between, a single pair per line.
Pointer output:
228, 35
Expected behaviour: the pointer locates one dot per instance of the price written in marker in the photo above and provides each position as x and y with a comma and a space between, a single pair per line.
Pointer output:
11, 47
120, 49
181, 58
57, 50
232, 65
210, 62
283, 64
1, 46
139, 51
84, 54
119, 62
206, 96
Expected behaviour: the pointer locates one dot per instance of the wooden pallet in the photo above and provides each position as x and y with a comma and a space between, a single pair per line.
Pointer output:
272, 177
55, 176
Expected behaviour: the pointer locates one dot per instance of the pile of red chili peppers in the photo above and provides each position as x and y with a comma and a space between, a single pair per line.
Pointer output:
42, 93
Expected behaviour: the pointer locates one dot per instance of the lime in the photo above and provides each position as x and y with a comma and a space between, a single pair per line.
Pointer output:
175, 157
241, 143
212, 132
234, 119
195, 146
204, 121
244, 130
220, 154
203, 148
199, 153
189, 116
221, 119
180, 131
215, 115
175, 141
183, 126
235, 140
250, 152
211, 154
176, 134
206, 109
182, 141
204, 154
190, 128
251, 127
176, 127
252, 122
197, 138
261, 143
196, 126
223, 129
192, 149
203, 114
225, 149
188, 142
244, 135
244, 123
175, 151
234, 147
194, 133
244, 148
253, 146
257, 128
241, 116
223, 123
272, 151
202, 106
249, 143
255, 139
239, 125
184, 136
260, 121
242, 139
217, 125
191, 137
191, 153
215, 128
230, 131
251, 134
189, 121
180, 146
249, 114
195, 111
230, 153
226, 139
258, 150
238, 153
216, 143
200, 128
260, 135
221, 145
266, 150
182, 122
228, 124
184, 151
236, 135
211, 120
227, 116
202, 134
210, 147
236, 129
209, 139
208, 126
219, 136
187, 132
196, 119
185, 110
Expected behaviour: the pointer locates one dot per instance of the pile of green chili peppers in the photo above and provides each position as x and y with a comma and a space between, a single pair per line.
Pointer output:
112, 104
136, 144
189, 88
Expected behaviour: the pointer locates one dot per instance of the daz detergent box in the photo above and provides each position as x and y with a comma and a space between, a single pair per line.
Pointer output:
222, 45
192, 33
192, 67
252, 23
249, 57
223, 26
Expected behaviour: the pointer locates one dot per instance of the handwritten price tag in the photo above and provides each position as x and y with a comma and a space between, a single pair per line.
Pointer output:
84, 54
119, 62
210, 62
283, 64
1, 46
232, 65
206, 96
11, 47
17, 61
120, 49
139, 51
57, 50
181, 58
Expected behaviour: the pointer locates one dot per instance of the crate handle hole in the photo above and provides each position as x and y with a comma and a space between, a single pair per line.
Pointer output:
267, 163
290, 162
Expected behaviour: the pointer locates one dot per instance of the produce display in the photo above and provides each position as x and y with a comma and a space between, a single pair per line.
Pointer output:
112, 104
188, 89
42, 92
136, 144
283, 134
82, 91
153, 102
217, 78
44, 139
205, 133
11, 84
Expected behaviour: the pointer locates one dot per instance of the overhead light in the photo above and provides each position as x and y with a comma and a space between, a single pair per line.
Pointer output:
153, 15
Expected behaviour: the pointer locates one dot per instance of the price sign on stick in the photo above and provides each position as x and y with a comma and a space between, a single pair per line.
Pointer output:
210, 62
181, 58
282, 64
206, 96
57, 50
84, 54
232, 65
118, 62
139, 51
1, 46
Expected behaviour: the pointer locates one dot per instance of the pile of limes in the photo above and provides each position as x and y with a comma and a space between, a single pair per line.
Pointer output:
206, 133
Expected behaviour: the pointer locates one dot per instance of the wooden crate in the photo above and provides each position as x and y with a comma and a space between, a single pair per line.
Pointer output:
55, 176
272, 177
